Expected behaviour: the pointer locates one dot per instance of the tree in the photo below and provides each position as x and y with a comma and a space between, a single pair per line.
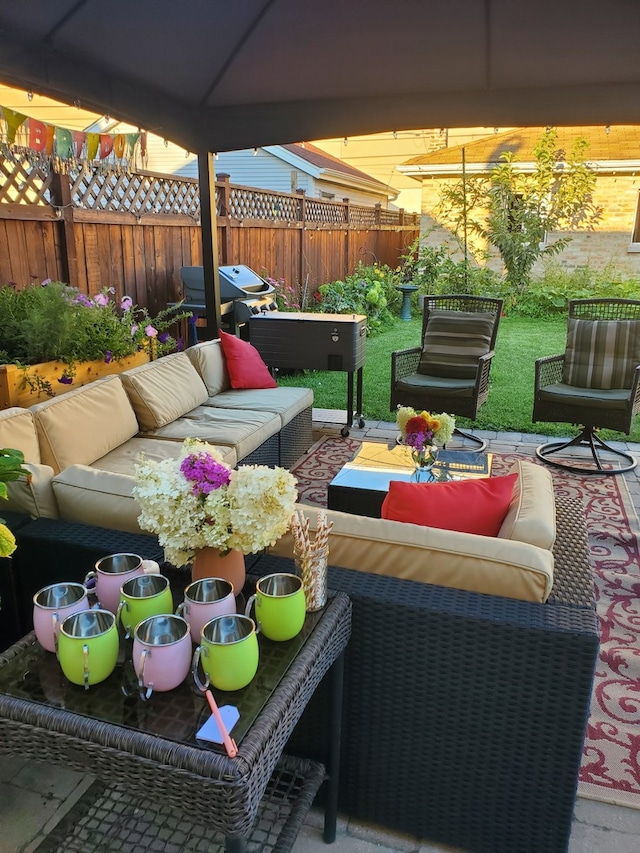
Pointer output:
517, 211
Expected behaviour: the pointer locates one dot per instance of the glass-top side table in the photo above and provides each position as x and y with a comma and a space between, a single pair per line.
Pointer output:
151, 748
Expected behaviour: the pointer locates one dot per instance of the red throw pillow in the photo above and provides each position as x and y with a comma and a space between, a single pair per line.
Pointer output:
244, 364
468, 506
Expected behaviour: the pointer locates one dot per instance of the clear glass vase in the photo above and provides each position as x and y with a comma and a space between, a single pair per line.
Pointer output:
424, 458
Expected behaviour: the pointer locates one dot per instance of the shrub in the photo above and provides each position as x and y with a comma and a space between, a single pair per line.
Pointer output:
54, 321
370, 290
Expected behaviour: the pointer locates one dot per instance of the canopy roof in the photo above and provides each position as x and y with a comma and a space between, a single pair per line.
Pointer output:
215, 76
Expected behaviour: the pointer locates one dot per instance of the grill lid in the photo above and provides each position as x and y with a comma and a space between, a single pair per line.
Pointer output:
236, 282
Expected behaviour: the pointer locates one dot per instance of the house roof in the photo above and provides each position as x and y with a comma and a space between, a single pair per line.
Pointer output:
331, 168
614, 145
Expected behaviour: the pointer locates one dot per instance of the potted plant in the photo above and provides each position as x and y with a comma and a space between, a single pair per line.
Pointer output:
54, 338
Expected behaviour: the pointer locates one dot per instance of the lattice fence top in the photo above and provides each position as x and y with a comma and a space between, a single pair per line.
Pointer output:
144, 193
249, 203
22, 183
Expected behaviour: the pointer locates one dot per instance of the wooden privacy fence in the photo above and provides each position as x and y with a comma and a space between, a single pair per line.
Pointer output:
135, 231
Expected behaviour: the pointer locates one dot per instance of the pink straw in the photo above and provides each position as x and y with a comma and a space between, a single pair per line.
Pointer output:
229, 742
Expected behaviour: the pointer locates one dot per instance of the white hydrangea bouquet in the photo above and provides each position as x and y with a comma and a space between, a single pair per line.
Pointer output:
196, 501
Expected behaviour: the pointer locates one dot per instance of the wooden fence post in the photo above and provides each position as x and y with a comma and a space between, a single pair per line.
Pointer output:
346, 253
61, 200
226, 244
302, 248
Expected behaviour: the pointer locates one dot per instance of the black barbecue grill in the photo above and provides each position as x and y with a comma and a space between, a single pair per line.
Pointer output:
242, 293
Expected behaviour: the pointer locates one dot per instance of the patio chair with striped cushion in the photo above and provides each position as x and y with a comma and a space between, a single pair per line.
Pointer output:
595, 383
449, 372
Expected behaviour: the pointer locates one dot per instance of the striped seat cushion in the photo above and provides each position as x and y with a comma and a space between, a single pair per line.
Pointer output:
454, 341
601, 353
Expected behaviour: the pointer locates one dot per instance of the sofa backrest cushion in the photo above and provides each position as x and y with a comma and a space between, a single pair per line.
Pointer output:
164, 390
429, 555
468, 506
33, 495
84, 424
101, 498
532, 512
18, 432
244, 363
208, 359
454, 341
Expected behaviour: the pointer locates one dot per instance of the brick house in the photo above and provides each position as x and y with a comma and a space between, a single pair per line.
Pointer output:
614, 153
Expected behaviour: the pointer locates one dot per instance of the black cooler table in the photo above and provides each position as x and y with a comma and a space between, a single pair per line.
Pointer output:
299, 340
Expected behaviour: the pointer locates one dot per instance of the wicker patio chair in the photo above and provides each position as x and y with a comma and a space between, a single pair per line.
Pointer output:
449, 372
594, 384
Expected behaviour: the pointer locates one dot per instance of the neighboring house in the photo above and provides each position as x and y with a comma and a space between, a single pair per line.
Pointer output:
293, 167
614, 154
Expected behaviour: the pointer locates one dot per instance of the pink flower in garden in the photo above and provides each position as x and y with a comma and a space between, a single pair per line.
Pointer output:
150, 331
45, 282
101, 299
126, 303
134, 329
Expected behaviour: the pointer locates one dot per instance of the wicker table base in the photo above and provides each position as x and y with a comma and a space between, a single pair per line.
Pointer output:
106, 818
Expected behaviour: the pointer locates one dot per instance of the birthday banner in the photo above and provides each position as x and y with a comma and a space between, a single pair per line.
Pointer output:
64, 148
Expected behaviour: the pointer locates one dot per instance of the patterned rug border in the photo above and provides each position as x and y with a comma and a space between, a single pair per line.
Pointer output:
614, 533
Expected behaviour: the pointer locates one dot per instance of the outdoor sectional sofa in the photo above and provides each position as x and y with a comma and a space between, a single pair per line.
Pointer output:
82, 446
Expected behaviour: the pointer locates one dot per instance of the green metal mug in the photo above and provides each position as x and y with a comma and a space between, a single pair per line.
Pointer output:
141, 597
280, 606
228, 653
88, 646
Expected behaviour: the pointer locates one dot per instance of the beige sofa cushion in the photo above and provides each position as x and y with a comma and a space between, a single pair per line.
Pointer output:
123, 459
82, 425
34, 495
245, 431
164, 390
101, 498
209, 361
532, 513
18, 432
429, 555
282, 401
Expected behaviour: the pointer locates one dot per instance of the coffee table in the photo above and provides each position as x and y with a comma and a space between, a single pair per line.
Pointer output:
149, 750
362, 484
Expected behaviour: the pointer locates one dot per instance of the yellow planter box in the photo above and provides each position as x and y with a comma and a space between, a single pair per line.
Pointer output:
22, 386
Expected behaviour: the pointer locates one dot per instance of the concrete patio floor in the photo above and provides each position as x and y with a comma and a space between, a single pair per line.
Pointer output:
34, 796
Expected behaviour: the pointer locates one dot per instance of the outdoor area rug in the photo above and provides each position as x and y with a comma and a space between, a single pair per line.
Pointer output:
610, 769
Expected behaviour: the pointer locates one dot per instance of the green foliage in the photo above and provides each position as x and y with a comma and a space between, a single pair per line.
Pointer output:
435, 271
516, 211
53, 321
11, 462
550, 292
369, 290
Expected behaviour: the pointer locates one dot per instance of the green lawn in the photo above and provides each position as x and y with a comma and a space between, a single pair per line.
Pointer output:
520, 341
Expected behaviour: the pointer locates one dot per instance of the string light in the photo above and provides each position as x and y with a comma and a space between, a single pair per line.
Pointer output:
29, 96
346, 141
76, 104
607, 129
166, 143
255, 151
395, 134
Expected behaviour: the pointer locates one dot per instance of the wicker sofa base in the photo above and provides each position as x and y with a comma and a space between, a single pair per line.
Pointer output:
465, 714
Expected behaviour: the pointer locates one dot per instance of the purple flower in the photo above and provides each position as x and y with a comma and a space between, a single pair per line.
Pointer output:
134, 329
108, 357
193, 319
163, 337
45, 282
150, 331
126, 303
205, 473
81, 299
101, 299
65, 379
179, 345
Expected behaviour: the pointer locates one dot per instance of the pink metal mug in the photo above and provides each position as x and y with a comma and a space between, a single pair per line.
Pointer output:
161, 653
205, 599
51, 606
111, 572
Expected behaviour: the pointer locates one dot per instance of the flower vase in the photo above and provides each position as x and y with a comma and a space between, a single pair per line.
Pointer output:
211, 563
424, 458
